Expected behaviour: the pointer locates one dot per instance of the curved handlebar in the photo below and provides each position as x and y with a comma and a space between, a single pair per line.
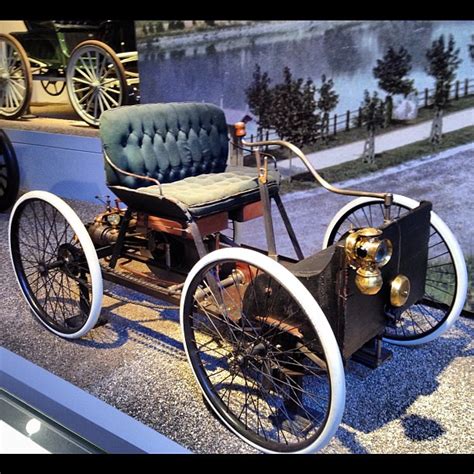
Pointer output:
387, 197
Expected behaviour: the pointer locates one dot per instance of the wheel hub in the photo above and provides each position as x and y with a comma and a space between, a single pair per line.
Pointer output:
43, 269
67, 254
255, 351
259, 349
4, 76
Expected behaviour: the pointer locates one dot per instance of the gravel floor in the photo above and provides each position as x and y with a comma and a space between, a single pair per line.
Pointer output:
418, 402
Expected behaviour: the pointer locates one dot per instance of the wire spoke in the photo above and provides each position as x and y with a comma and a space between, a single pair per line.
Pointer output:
440, 281
241, 335
57, 288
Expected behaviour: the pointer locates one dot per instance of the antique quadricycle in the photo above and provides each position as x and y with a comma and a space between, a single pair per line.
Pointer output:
266, 335
96, 61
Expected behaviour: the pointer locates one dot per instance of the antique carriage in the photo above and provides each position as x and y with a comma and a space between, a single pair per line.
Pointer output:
266, 335
96, 61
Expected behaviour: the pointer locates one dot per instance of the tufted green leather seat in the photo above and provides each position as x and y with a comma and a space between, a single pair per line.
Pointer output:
209, 193
182, 145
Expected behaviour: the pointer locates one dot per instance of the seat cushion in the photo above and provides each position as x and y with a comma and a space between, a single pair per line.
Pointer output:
209, 193
168, 142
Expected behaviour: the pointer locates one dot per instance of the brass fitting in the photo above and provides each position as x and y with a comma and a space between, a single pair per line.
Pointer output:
399, 290
367, 253
239, 129
369, 280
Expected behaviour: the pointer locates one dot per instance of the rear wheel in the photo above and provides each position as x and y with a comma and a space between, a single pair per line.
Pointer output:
446, 278
55, 264
262, 352
15, 78
9, 173
95, 80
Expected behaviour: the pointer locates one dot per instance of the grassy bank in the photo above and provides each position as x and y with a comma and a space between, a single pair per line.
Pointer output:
356, 134
356, 168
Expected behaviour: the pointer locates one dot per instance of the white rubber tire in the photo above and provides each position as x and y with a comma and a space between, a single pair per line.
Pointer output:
451, 243
318, 319
89, 251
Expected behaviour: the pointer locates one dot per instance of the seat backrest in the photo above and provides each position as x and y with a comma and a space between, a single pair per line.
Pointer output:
167, 142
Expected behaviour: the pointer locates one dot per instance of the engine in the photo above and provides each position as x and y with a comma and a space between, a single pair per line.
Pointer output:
105, 228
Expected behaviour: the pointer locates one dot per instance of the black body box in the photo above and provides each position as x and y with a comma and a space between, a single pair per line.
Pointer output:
356, 318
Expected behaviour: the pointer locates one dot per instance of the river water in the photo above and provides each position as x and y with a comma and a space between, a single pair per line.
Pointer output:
218, 67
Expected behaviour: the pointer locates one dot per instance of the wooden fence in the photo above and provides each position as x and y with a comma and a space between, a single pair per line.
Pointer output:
353, 118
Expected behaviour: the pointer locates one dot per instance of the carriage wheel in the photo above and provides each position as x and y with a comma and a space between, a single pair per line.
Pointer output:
55, 264
262, 352
53, 88
95, 80
9, 173
15, 78
446, 277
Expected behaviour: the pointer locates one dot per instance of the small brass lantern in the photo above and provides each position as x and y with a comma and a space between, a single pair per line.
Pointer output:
367, 253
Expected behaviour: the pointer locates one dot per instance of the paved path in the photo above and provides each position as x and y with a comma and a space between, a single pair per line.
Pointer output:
386, 141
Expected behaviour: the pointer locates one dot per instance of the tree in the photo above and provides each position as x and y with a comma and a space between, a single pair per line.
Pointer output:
372, 115
328, 100
259, 98
443, 60
176, 25
392, 71
293, 110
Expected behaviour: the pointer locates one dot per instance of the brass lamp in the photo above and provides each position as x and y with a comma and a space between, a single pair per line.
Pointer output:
367, 253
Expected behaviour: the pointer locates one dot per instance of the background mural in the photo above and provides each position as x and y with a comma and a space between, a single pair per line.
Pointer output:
214, 60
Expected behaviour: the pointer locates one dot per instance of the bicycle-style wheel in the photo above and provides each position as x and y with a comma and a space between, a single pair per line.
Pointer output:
262, 352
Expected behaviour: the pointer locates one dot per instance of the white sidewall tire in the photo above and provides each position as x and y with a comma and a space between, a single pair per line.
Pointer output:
89, 251
318, 319
451, 243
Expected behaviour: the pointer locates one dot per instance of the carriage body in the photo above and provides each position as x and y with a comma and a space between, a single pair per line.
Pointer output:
267, 336
87, 58
52, 42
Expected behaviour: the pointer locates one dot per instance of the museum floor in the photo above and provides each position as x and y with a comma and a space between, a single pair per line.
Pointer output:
420, 401
52, 118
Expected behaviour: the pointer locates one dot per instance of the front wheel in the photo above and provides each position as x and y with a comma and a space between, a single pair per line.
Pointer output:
446, 275
55, 264
262, 352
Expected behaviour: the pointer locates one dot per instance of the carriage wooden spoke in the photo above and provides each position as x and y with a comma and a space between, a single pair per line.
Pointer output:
96, 80
15, 78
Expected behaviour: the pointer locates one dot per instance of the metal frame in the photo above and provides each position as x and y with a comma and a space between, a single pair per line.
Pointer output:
119, 250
